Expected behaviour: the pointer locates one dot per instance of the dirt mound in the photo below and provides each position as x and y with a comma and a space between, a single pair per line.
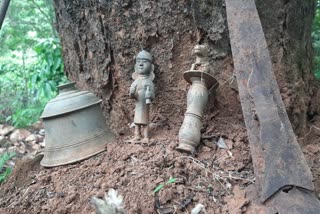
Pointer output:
215, 177
135, 171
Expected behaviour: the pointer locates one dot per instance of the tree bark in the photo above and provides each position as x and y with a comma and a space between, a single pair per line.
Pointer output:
101, 38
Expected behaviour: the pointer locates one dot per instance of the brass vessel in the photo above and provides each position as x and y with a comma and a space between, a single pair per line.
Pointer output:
197, 98
75, 127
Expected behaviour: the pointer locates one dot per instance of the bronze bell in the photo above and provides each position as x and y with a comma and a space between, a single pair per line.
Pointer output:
75, 127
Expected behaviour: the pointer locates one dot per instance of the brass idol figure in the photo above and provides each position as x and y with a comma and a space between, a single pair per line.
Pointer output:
142, 90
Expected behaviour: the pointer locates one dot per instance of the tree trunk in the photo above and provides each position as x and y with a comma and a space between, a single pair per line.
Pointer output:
101, 38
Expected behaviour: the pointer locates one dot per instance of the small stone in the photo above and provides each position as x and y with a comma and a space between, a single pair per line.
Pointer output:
22, 149
5, 130
41, 132
36, 147
312, 148
60, 194
180, 189
173, 145
19, 134
104, 186
206, 149
229, 143
40, 138
152, 125
33, 143
221, 144
158, 180
70, 198
32, 137
132, 125
100, 194
38, 125
165, 195
238, 144
209, 143
42, 144
6, 143
97, 184
45, 208
12, 149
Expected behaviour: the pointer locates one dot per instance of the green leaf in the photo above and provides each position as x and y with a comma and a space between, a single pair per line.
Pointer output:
8, 118
30, 58
5, 157
47, 90
57, 63
4, 175
158, 188
171, 180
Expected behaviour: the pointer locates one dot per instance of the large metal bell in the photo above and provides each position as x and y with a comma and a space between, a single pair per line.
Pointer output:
75, 127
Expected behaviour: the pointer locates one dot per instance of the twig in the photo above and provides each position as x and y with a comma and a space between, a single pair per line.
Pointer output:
175, 209
216, 177
41, 11
231, 79
50, 20
238, 178
209, 136
197, 162
310, 131
25, 192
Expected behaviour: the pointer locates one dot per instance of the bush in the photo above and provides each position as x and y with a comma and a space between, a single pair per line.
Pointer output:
25, 89
316, 41
4, 174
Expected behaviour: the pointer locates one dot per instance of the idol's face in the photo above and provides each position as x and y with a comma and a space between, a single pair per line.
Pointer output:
143, 66
200, 50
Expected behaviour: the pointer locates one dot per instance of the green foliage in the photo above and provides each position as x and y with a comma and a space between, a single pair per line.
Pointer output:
25, 22
48, 70
3, 160
160, 186
316, 40
31, 64
27, 88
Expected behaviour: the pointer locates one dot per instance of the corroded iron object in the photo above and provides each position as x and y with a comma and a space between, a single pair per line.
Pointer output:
197, 98
75, 127
283, 178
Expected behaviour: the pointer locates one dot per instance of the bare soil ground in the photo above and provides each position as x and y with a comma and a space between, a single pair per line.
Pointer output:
135, 171
218, 178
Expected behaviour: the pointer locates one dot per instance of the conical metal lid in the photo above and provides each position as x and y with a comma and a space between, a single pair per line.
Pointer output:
69, 99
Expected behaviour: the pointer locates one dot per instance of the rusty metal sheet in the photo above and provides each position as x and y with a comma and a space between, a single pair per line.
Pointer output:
295, 201
277, 159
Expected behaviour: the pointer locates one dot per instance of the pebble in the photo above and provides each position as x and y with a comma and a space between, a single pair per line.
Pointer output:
180, 189
100, 194
312, 148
